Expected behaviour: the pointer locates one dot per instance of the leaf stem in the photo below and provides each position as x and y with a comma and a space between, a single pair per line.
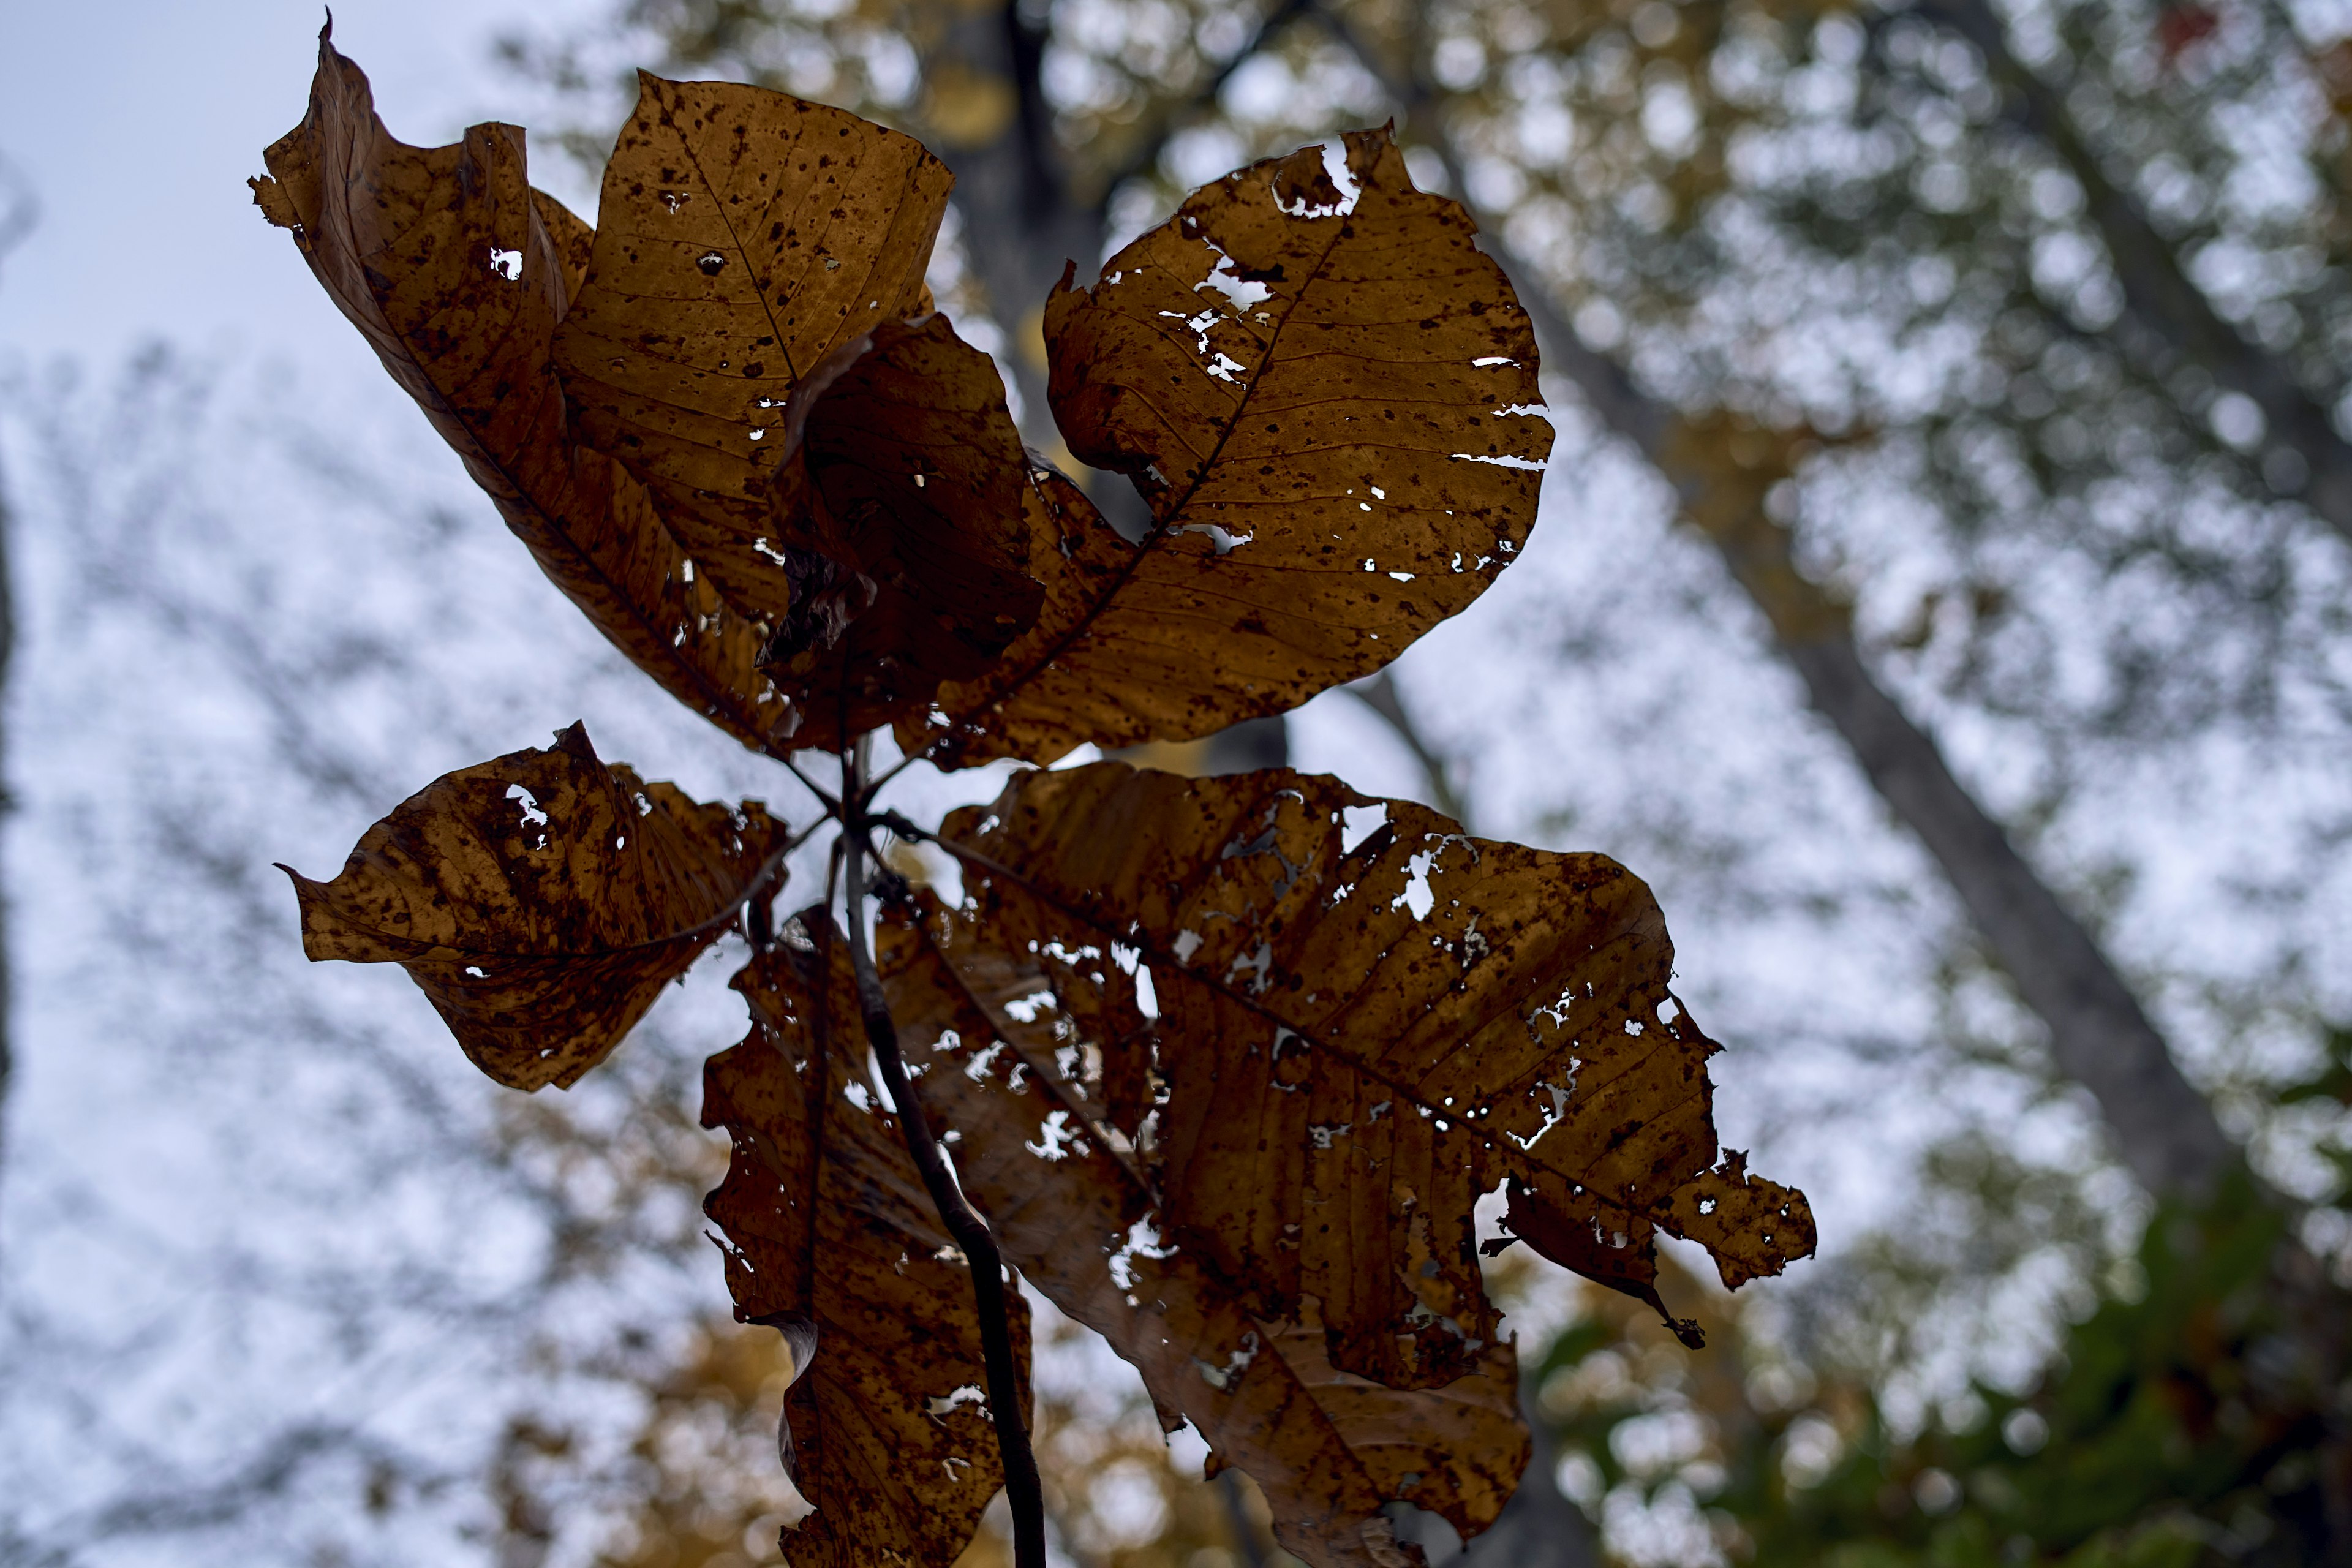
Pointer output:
1023, 1489
865, 795
823, 796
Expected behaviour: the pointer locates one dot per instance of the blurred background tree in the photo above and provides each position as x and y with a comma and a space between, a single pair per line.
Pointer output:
1998, 353
1970, 376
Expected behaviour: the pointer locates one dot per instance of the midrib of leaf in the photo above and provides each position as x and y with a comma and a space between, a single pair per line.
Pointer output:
759, 291
1160, 529
726, 914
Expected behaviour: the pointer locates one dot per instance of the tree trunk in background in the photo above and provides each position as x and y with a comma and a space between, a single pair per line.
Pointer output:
1722, 470
1539, 1527
2161, 1126
7, 809
2179, 324
20, 209
1025, 222
1012, 190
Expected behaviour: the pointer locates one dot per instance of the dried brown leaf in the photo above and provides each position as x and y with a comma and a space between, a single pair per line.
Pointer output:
1752, 1226
457, 272
1357, 1034
1577, 1229
829, 1228
542, 899
904, 472
1327, 1448
743, 236
1330, 402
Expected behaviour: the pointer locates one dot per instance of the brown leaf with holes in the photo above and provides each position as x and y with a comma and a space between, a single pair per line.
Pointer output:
1365, 1019
1330, 401
1575, 1227
743, 236
904, 475
1752, 1226
1074, 1212
457, 273
832, 1238
542, 899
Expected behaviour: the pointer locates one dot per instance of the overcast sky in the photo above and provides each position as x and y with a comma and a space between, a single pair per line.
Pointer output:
138, 122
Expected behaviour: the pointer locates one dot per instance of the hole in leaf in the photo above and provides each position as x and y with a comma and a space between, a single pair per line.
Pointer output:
532, 815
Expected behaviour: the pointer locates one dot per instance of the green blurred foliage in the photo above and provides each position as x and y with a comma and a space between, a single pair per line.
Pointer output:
2194, 1415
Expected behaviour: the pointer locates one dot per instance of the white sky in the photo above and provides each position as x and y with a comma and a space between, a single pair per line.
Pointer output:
138, 122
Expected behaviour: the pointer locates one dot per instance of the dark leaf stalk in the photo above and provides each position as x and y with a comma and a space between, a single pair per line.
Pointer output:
1023, 1491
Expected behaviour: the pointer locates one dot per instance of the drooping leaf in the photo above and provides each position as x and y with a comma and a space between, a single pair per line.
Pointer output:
743, 236
831, 1237
457, 273
542, 899
1330, 401
1074, 1212
1359, 1030
904, 473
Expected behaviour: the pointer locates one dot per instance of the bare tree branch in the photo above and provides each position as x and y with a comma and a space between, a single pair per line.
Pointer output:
1379, 693
1145, 156
2158, 294
1019, 196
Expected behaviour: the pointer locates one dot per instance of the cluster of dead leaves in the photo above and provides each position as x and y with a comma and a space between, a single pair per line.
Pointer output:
1226, 1063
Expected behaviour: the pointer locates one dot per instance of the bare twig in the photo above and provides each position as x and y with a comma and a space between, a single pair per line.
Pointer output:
1246, 1544
2157, 290
825, 797
1145, 155
1023, 1489
1380, 694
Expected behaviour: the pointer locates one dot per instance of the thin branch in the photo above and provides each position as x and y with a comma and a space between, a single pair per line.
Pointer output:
1022, 1489
823, 796
1380, 694
864, 798
2157, 290
1145, 156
